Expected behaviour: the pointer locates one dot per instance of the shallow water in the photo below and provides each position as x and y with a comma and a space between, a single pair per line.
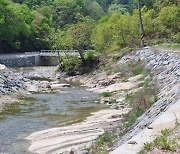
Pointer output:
42, 111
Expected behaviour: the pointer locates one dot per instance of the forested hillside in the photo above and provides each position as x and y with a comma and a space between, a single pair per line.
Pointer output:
103, 25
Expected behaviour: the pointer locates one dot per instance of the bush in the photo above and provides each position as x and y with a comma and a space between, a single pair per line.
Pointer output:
106, 138
90, 55
69, 63
106, 94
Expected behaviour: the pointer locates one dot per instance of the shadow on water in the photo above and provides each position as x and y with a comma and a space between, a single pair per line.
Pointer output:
42, 111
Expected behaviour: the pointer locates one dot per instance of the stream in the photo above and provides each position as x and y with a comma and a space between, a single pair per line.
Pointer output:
40, 111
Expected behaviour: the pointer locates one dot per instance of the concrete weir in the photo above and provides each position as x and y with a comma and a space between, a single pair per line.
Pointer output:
28, 59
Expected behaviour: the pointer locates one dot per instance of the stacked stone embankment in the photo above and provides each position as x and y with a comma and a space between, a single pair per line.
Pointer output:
166, 67
10, 82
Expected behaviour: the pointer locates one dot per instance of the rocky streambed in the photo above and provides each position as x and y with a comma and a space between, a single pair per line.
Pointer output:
166, 69
40, 101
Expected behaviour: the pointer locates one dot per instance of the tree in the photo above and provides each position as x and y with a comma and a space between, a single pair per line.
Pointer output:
58, 40
117, 8
80, 34
93, 10
67, 12
170, 17
115, 33
40, 28
15, 24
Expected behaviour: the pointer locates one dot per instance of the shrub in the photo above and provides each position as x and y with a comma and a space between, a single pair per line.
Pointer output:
148, 146
106, 94
162, 142
90, 55
69, 63
106, 138
112, 101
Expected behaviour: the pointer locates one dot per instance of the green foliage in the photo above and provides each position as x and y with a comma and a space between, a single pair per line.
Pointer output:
94, 10
15, 24
170, 17
162, 142
106, 94
31, 25
140, 101
159, 4
129, 70
170, 45
68, 63
118, 8
119, 54
132, 119
58, 40
80, 36
66, 11
148, 146
90, 55
136, 68
117, 32
106, 138
112, 101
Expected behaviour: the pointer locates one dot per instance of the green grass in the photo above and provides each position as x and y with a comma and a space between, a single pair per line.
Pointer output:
140, 101
119, 54
112, 101
170, 45
103, 142
148, 146
162, 142
106, 94
106, 138
130, 70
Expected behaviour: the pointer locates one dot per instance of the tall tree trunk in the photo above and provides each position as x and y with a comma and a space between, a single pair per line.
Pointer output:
141, 29
81, 54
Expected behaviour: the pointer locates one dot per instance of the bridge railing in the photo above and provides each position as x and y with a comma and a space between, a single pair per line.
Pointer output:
56, 51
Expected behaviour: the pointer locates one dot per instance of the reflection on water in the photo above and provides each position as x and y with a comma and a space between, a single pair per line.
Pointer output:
41, 111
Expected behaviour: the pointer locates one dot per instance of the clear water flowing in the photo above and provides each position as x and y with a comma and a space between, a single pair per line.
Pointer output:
41, 111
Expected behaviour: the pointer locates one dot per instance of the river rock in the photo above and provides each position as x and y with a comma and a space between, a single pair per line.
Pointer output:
10, 81
58, 86
2, 67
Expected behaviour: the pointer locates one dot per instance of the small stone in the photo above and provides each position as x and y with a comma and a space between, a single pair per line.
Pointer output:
114, 106
132, 142
149, 127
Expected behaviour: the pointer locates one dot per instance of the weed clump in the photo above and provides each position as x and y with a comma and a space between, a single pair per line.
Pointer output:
162, 142
106, 94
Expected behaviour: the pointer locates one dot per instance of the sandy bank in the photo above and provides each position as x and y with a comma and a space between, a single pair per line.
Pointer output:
64, 139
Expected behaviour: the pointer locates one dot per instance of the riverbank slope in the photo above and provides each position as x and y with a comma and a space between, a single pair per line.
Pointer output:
165, 67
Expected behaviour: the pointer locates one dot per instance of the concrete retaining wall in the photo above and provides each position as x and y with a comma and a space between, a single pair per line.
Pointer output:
28, 60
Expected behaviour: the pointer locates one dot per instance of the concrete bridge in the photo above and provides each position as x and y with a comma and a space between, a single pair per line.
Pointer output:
40, 58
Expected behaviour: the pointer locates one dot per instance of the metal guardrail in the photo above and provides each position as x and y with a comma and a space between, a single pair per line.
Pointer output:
56, 51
